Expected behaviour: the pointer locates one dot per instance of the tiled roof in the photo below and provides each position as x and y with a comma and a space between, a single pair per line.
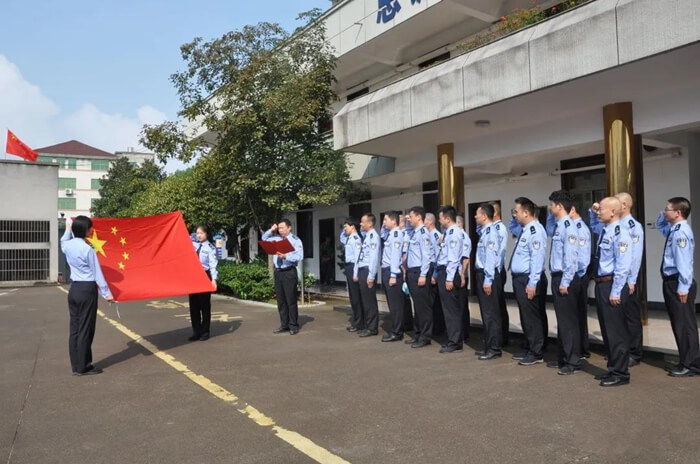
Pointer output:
73, 147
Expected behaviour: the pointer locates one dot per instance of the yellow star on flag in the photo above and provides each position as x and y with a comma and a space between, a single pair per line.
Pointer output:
121, 266
125, 255
122, 241
114, 231
97, 244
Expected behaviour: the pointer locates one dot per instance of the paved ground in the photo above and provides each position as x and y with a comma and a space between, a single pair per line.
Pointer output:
247, 396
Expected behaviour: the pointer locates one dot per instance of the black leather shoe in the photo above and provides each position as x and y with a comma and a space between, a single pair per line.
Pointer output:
420, 344
411, 341
614, 381
194, 337
604, 376
479, 353
634, 362
489, 355
90, 372
392, 338
367, 333
451, 349
567, 370
682, 371
351, 329
554, 365
530, 360
280, 330
293, 331
672, 367
204, 337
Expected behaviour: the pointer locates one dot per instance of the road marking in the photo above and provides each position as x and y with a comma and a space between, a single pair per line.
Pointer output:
298, 441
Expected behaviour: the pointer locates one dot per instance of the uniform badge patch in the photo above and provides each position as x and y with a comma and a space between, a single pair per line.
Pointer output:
427, 241
358, 246
374, 246
397, 245
453, 244
623, 247
572, 239
682, 242
536, 244
635, 239
582, 242
491, 245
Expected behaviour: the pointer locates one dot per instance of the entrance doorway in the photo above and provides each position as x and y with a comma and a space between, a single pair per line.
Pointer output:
326, 233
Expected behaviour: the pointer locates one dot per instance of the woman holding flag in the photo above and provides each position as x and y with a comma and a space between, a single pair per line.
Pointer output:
200, 303
86, 275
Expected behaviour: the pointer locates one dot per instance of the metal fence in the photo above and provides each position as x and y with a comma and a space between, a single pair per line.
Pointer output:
24, 250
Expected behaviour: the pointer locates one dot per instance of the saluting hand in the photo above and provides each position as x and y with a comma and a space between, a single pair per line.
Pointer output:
274, 228
595, 207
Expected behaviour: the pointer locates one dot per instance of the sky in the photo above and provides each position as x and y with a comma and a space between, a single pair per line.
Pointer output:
97, 71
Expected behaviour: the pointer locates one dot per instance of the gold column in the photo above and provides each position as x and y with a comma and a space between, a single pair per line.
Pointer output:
450, 179
621, 164
623, 168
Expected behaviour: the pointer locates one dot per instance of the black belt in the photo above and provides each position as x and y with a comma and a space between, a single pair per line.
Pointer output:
605, 278
671, 278
442, 268
557, 273
519, 274
283, 269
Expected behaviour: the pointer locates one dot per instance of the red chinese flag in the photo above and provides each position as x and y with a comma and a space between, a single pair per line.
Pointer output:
16, 147
148, 257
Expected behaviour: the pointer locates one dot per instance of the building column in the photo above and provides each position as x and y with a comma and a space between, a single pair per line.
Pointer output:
624, 169
450, 178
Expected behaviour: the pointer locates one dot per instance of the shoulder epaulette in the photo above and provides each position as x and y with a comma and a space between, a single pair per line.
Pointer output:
567, 223
488, 229
578, 225
396, 233
498, 227
422, 231
533, 230
452, 231
631, 222
357, 237
617, 230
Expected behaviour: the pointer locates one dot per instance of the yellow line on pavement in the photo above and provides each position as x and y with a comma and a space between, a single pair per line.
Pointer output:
298, 441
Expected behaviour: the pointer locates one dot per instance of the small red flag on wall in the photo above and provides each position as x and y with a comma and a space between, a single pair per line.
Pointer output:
16, 147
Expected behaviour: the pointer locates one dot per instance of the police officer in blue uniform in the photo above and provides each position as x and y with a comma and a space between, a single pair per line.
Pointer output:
527, 267
488, 283
614, 261
436, 238
352, 242
584, 275
365, 273
200, 303
449, 279
679, 287
286, 278
464, 290
420, 263
502, 231
392, 275
632, 308
563, 264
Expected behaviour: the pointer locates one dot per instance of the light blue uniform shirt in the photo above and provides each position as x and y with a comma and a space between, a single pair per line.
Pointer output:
293, 257
584, 246
451, 249
636, 232
207, 257
488, 253
420, 250
615, 256
353, 245
502, 242
466, 245
393, 249
369, 254
678, 255
564, 255
82, 259
530, 252
435, 237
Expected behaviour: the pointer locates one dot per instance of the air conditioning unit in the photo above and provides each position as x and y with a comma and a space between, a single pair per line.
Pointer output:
69, 192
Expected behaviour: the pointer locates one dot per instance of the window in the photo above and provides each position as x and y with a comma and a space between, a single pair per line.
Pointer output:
66, 203
100, 165
66, 182
430, 200
67, 163
96, 184
306, 232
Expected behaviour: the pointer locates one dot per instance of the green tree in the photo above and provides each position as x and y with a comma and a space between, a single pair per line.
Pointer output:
264, 96
122, 184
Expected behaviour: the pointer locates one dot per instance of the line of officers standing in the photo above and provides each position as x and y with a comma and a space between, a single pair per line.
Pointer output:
420, 263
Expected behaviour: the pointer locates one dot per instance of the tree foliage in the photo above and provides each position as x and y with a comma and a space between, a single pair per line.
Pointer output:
264, 97
122, 183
